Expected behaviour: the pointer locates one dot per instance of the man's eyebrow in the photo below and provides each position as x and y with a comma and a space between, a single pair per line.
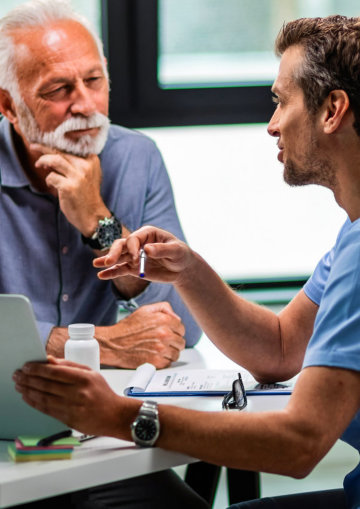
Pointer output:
65, 79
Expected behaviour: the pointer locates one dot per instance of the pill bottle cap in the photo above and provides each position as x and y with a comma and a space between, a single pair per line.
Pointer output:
81, 330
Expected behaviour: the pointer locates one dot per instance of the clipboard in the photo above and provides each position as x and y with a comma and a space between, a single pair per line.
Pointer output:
148, 382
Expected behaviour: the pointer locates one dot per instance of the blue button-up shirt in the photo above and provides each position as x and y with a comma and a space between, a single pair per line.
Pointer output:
42, 255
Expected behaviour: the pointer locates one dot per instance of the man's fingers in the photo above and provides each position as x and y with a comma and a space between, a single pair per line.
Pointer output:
66, 372
64, 362
163, 307
117, 271
160, 250
117, 250
55, 161
38, 147
145, 236
27, 384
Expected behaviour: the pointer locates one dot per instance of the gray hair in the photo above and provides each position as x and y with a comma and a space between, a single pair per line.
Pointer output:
32, 14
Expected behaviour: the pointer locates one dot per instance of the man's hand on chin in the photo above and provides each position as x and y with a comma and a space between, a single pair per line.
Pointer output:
153, 333
77, 181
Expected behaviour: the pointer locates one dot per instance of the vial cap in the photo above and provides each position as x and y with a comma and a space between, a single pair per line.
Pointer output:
81, 330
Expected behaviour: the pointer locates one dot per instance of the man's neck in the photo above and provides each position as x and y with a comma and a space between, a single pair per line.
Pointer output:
347, 189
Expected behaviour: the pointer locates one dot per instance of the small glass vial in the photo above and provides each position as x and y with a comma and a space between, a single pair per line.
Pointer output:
81, 346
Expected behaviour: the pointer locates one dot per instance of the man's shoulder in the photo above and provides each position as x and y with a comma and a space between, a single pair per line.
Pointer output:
349, 234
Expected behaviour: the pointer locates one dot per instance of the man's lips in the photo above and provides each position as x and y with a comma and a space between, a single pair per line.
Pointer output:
281, 154
81, 132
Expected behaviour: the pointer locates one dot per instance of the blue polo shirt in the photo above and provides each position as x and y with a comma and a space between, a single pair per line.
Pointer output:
335, 288
42, 255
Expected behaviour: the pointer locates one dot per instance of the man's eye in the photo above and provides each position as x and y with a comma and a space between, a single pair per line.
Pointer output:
94, 80
56, 93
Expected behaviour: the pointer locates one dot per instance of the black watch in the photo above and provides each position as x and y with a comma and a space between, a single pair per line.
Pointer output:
145, 429
108, 230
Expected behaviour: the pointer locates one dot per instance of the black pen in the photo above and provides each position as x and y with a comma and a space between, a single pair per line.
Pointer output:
43, 442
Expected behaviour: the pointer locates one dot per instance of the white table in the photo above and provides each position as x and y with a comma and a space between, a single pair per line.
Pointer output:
103, 460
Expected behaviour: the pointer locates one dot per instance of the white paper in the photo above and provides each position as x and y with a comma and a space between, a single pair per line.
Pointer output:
147, 379
141, 378
192, 380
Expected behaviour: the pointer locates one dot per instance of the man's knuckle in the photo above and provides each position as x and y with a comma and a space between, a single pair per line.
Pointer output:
163, 332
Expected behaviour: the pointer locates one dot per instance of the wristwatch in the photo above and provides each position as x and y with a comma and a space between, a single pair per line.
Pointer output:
145, 429
108, 230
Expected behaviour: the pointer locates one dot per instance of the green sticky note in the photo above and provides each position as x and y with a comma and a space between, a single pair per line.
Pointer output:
32, 441
40, 456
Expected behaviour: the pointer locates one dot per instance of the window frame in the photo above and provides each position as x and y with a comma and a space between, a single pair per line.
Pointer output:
130, 34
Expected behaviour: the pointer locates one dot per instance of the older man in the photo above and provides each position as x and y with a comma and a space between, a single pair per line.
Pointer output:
317, 127
71, 184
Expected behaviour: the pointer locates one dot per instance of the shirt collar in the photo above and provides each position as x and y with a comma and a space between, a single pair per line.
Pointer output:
11, 172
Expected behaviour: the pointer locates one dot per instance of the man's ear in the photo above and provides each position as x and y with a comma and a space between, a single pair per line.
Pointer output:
336, 106
7, 106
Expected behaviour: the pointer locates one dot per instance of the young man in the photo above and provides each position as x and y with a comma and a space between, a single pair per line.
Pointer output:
70, 184
316, 124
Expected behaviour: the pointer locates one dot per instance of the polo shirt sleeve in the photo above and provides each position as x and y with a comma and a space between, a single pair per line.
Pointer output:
335, 340
314, 287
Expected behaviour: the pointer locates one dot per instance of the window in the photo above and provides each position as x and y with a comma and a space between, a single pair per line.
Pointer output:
198, 62
89, 8
207, 43
141, 100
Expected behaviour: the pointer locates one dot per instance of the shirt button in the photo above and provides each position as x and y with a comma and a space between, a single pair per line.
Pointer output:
65, 297
65, 250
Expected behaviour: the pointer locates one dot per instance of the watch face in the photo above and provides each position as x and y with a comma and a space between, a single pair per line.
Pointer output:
146, 429
109, 231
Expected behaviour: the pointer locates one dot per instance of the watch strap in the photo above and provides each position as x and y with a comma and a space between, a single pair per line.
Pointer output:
150, 409
148, 412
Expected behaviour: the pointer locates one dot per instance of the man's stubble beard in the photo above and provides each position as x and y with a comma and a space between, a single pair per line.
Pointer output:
56, 139
314, 169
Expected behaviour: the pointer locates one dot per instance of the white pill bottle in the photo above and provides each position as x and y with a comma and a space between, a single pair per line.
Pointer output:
81, 346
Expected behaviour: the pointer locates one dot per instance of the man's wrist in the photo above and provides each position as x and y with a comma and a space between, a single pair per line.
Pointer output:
189, 274
107, 231
93, 222
56, 341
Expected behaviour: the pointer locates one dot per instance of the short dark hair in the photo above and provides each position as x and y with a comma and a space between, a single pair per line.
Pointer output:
331, 58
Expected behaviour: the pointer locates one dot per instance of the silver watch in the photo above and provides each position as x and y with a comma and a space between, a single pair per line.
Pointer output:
145, 429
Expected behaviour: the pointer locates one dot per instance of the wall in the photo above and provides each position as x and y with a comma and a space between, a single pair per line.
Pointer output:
234, 206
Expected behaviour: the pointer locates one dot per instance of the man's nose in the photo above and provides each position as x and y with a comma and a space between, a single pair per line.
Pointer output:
273, 127
82, 100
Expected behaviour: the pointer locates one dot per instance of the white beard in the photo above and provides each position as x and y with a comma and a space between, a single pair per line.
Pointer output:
56, 139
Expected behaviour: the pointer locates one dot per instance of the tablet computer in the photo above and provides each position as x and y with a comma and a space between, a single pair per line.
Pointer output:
20, 342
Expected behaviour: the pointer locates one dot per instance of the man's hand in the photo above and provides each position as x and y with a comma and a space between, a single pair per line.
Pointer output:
76, 181
72, 393
168, 258
153, 333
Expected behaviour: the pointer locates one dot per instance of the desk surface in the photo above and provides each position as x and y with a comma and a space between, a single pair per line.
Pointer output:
105, 459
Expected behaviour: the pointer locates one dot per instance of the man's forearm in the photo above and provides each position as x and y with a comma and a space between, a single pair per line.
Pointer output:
287, 442
130, 287
270, 346
245, 332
